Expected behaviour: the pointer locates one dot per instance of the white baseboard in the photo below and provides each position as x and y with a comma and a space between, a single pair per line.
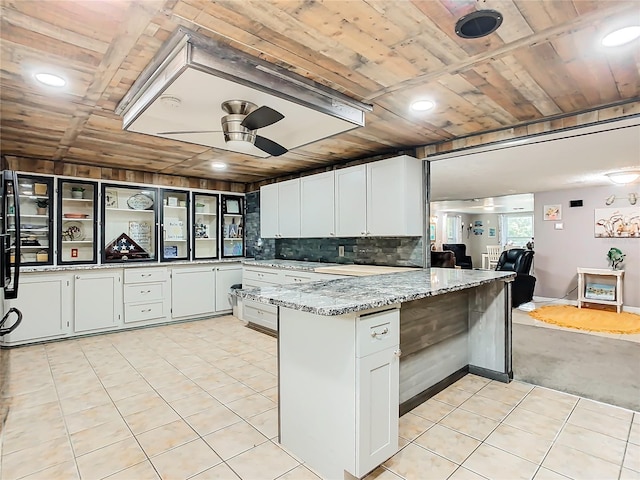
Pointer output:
564, 301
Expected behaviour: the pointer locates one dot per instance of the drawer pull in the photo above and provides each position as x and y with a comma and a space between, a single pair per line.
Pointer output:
145, 310
375, 334
145, 291
145, 274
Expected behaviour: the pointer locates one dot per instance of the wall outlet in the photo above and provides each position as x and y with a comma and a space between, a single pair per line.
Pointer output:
341, 251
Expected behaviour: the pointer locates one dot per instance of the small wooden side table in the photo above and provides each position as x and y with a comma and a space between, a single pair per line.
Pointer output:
619, 274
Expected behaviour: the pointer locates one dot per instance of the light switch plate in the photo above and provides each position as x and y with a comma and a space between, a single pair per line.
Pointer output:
559, 226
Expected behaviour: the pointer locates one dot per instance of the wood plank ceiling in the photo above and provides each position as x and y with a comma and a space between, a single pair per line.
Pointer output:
544, 61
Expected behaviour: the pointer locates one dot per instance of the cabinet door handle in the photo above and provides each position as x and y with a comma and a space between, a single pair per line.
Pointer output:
375, 334
332, 234
398, 353
363, 233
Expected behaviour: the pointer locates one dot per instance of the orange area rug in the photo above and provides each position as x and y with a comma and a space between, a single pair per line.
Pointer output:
589, 319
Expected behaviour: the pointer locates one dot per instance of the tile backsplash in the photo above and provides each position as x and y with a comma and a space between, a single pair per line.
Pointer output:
392, 251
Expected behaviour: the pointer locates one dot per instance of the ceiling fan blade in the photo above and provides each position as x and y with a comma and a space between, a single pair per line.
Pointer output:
269, 146
189, 131
262, 117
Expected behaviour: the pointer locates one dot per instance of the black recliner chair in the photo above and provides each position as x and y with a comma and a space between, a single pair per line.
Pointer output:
460, 251
518, 260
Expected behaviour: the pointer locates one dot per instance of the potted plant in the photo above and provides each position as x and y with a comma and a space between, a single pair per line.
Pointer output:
42, 204
77, 192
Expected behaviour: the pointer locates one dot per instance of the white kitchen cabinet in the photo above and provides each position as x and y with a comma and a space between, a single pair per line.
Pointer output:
280, 210
394, 197
193, 291
45, 301
97, 300
378, 387
317, 205
269, 211
226, 276
354, 362
146, 295
351, 201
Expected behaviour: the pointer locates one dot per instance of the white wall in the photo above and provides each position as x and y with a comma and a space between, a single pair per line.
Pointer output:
558, 253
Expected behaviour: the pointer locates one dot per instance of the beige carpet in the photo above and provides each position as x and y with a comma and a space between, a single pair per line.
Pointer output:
590, 319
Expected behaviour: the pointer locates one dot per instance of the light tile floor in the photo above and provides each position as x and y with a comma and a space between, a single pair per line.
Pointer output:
198, 400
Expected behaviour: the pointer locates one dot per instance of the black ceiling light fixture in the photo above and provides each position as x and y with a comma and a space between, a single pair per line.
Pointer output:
478, 24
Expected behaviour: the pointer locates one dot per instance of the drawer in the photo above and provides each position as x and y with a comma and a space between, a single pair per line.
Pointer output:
261, 314
377, 332
143, 311
144, 275
262, 275
299, 278
144, 292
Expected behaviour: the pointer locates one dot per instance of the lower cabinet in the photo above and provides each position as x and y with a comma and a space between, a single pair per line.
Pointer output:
45, 301
97, 301
146, 295
226, 277
261, 314
81, 301
355, 365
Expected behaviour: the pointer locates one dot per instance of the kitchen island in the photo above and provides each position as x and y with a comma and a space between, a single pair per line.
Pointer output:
354, 352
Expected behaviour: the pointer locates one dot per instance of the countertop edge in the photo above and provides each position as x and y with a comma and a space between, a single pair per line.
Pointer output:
333, 311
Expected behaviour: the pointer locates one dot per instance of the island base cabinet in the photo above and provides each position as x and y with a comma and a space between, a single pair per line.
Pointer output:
378, 390
339, 387
45, 303
97, 301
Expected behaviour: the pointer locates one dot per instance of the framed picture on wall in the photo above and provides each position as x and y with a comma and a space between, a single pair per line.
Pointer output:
552, 212
492, 233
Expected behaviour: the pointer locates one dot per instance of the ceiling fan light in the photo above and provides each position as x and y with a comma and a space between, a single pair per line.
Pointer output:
621, 36
624, 177
240, 145
50, 80
422, 105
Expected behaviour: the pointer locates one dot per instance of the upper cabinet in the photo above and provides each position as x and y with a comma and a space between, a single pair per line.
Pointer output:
232, 226
381, 198
280, 210
317, 206
77, 221
130, 222
35, 195
205, 226
394, 197
174, 225
351, 201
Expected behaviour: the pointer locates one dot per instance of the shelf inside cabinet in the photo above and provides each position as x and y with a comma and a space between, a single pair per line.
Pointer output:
69, 199
33, 197
129, 210
78, 241
233, 215
206, 214
205, 239
31, 216
173, 207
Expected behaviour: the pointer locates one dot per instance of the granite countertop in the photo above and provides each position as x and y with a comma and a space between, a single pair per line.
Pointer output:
65, 268
288, 264
337, 297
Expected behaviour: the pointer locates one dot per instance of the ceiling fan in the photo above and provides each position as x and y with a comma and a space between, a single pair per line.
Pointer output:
240, 124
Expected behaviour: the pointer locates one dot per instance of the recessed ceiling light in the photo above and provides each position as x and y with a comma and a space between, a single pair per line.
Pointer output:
219, 166
50, 79
422, 105
621, 36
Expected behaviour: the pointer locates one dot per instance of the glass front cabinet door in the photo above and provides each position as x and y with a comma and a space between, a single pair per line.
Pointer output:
174, 226
205, 226
35, 195
129, 223
77, 221
232, 226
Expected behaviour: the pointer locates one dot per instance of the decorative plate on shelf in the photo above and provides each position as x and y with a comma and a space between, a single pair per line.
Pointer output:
140, 201
72, 231
75, 215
